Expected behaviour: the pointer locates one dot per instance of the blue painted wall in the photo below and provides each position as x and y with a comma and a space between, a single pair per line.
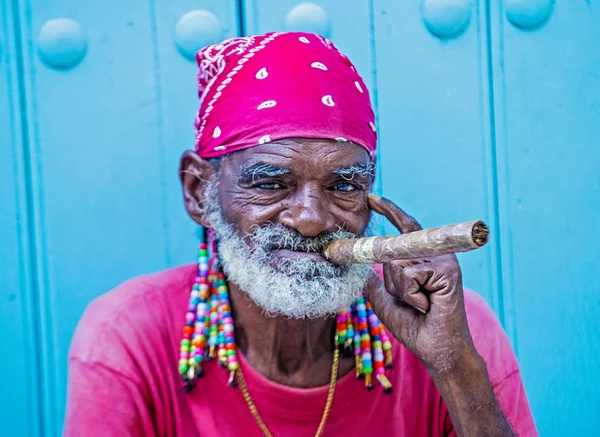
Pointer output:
486, 109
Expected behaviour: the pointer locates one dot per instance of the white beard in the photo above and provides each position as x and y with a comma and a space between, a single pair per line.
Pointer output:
302, 288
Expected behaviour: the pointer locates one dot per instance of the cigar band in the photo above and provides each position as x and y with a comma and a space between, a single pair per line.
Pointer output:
363, 250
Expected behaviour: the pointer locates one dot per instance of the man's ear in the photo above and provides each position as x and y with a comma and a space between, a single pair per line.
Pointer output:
195, 173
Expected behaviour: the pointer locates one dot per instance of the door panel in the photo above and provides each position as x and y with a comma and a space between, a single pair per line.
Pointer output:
103, 177
546, 79
434, 126
19, 347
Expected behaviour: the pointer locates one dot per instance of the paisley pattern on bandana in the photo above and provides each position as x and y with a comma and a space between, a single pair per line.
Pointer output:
265, 88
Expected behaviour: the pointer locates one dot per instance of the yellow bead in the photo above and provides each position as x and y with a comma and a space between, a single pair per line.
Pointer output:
234, 365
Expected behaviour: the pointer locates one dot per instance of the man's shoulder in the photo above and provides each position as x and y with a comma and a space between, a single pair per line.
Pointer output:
489, 337
144, 303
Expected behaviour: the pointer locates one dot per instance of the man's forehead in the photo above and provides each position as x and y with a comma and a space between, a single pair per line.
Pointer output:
302, 155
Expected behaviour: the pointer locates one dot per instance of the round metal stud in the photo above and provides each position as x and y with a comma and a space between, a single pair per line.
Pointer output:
447, 18
195, 30
528, 14
308, 17
62, 43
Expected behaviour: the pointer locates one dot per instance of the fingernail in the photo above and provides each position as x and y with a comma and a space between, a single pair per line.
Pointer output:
374, 197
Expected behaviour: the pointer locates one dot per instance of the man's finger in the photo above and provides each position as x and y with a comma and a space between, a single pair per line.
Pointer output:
409, 282
401, 220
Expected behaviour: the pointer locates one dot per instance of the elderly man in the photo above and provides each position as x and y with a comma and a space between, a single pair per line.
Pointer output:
276, 340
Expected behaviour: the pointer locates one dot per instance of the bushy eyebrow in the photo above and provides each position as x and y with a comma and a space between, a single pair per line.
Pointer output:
359, 169
262, 169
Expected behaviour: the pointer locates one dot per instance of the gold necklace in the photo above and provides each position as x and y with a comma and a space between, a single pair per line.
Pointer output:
332, 382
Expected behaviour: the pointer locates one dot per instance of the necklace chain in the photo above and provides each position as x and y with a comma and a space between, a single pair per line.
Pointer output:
330, 393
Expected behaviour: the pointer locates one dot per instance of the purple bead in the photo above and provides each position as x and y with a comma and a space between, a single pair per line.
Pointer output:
190, 317
373, 318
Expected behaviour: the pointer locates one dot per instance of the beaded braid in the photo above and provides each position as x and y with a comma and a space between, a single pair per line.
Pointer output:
208, 332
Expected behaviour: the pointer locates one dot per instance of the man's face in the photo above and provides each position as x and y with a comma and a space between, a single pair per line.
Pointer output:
311, 186
274, 208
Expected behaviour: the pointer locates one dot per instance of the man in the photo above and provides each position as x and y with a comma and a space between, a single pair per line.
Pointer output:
283, 165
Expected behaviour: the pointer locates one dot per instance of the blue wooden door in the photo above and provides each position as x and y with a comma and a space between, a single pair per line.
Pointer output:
485, 109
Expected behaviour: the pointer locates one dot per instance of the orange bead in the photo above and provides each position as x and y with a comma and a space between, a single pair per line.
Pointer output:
365, 344
188, 330
230, 346
226, 308
363, 326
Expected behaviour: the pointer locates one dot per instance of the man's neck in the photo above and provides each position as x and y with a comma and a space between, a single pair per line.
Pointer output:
292, 352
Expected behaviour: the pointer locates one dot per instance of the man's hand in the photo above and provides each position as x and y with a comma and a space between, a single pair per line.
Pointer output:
421, 303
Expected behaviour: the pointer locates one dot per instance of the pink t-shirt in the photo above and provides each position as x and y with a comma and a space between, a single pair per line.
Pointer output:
123, 379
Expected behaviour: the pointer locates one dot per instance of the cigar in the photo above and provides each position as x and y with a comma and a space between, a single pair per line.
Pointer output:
443, 240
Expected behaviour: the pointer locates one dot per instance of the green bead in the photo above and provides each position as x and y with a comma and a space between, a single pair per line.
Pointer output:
377, 343
367, 370
365, 337
185, 342
184, 348
198, 358
183, 368
230, 353
203, 252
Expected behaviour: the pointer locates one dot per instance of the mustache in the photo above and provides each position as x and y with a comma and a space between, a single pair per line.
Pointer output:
272, 237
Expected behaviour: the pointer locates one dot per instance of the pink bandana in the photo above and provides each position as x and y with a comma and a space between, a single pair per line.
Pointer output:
280, 85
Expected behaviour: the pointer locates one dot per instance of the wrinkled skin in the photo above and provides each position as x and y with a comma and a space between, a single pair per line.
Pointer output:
420, 301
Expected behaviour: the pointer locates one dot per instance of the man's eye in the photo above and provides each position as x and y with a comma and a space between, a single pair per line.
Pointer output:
344, 187
270, 186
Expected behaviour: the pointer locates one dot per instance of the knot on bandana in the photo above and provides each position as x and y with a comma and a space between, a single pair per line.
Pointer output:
258, 89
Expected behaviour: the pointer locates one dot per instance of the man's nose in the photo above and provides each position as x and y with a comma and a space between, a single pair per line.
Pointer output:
308, 212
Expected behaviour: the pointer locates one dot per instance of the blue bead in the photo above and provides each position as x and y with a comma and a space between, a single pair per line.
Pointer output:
230, 340
367, 363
